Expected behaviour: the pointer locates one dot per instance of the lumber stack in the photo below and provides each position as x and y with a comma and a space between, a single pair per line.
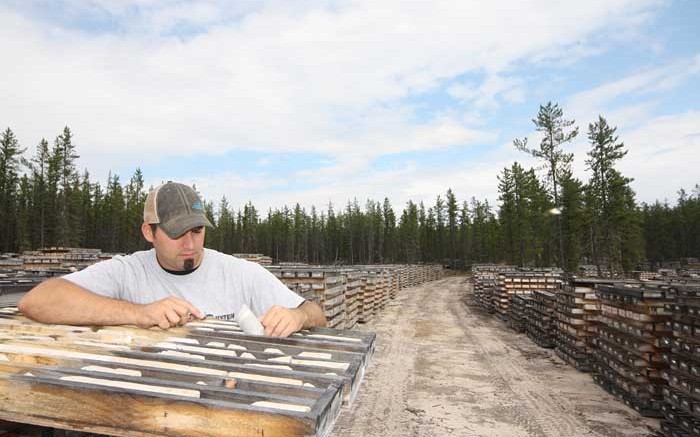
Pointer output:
302, 287
19, 281
367, 297
382, 287
327, 289
484, 286
10, 261
522, 282
353, 295
578, 314
630, 343
519, 310
403, 273
379, 285
485, 279
206, 378
645, 275
420, 275
573, 327
541, 327
578, 320
392, 286
255, 257
62, 258
682, 396
436, 272
392, 281
501, 295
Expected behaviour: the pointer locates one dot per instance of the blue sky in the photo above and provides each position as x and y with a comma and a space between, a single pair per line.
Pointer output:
296, 101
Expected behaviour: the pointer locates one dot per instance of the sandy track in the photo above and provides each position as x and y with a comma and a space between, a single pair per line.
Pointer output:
442, 367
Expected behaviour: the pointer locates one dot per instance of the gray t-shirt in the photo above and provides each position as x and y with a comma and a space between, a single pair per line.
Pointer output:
219, 287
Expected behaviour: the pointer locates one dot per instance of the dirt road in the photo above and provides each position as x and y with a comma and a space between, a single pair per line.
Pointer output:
442, 367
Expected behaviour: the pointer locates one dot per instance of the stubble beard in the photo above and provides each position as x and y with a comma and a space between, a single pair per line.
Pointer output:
188, 264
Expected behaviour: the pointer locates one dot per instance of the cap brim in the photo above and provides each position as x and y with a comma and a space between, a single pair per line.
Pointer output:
178, 226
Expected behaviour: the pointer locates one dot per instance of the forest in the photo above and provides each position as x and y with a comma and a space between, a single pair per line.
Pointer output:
544, 216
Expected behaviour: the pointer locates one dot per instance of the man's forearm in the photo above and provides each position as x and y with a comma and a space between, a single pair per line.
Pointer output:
62, 302
314, 314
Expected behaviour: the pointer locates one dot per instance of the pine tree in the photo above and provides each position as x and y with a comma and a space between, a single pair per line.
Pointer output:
390, 243
315, 237
86, 212
63, 158
616, 226
452, 209
507, 215
10, 153
249, 228
465, 234
424, 248
409, 234
556, 132
113, 215
573, 220
39, 167
24, 208
210, 232
440, 210
135, 199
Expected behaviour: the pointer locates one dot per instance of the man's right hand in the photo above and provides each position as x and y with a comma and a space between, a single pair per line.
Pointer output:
167, 313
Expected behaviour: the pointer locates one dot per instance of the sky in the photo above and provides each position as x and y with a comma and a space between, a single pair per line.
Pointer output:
311, 102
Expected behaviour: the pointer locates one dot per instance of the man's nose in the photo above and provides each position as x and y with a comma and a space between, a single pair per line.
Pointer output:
188, 240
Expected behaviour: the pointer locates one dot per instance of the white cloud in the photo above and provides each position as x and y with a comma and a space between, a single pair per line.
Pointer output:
492, 89
648, 83
283, 77
340, 79
663, 156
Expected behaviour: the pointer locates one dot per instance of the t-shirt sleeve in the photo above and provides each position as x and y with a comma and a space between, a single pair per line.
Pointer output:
269, 291
105, 278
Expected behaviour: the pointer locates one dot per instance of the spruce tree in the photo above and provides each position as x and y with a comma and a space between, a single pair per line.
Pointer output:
452, 211
39, 168
10, 153
390, 243
62, 172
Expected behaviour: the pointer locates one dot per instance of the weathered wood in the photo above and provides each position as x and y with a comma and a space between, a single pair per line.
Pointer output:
65, 404
176, 378
631, 343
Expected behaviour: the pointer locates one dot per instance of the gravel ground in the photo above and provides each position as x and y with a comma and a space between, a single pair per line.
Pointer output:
443, 367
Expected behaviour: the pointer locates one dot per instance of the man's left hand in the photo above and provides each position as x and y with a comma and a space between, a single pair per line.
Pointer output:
281, 322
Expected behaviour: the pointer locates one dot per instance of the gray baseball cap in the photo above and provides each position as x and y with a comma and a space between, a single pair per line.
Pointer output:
176, 208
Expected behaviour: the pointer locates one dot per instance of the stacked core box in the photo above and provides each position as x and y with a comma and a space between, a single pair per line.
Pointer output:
631, 342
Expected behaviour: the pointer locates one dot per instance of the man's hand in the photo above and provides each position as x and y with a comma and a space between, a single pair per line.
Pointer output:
167, 313
281, 322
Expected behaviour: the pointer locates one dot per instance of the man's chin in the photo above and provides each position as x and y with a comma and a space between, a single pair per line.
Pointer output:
188, 264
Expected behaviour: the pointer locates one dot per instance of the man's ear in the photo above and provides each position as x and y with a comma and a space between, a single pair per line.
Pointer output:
147, 232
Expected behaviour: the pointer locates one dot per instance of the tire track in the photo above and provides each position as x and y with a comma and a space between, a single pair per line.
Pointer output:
381, 402
443, 368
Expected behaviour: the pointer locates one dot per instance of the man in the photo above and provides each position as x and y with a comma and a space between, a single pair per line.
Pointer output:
175, 282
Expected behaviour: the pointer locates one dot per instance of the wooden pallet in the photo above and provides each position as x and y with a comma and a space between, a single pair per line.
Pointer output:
207, 378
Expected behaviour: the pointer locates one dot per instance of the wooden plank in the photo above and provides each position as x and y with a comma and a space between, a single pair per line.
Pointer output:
63, 404
289, 386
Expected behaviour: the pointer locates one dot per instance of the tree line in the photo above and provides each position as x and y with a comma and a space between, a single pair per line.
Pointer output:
545, 215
